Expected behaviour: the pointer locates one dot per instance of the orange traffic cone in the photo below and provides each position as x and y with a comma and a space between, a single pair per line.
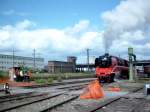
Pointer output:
93, 91
85, 94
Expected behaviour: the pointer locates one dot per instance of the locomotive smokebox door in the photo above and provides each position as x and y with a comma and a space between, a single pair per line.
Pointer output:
147, 89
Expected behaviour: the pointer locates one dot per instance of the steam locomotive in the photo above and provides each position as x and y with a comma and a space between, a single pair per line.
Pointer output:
108, 67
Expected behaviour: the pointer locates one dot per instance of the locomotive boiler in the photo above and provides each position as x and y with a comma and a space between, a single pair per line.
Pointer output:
108, 67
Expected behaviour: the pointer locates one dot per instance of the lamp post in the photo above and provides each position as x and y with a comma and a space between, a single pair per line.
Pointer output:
34, 60
88, 58
13, 56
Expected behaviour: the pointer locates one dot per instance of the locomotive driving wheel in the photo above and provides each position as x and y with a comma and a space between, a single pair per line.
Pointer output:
111, 78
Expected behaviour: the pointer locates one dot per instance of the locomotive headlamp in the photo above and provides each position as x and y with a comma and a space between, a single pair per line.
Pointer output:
104, 59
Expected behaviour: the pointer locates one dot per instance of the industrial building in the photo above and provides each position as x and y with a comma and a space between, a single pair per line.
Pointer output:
62, 66
9, 61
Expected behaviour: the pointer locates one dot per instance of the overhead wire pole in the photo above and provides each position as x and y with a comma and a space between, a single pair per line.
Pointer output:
34, 59
13, 55
88, 59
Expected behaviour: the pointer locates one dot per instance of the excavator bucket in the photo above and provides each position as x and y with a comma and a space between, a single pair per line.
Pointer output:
93, 91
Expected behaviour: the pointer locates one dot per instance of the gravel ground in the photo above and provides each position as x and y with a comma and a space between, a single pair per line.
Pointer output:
42, 105
19, 102
133, 102
122, 105
79, 105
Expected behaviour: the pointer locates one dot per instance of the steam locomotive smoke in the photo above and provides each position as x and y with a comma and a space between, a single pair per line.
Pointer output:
127, 23
109, 35
106, 44
107, 40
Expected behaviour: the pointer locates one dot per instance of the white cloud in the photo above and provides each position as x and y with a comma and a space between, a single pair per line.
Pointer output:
8, 12
81, 26
24, 24
127, 15
13, 12
128, 24
50, 40
133, 36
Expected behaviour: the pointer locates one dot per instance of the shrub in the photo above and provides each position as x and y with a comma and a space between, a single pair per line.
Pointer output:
4, 74
40, 81
59, 78
50, 80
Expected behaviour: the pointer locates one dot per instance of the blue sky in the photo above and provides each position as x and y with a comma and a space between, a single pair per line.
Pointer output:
54, 13
58, 28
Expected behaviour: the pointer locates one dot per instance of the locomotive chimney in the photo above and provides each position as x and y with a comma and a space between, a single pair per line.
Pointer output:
106, 54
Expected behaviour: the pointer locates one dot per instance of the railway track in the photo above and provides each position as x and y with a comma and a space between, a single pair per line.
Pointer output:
120, 104
67, 100
79, 86
22, 97
43, 105
74, 87
44, 102
1, 90
34, 94
61, 83
15, 95
21, 102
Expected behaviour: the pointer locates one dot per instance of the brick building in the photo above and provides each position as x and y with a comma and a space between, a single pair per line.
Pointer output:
62, 66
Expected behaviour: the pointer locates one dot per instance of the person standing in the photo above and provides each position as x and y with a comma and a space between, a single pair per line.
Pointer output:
6, 88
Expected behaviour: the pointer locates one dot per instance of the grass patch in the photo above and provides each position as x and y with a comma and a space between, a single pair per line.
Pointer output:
44, 81
4, 74
40, 81
49, 78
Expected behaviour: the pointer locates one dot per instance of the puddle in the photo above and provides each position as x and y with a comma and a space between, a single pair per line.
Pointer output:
20, 90
109, 94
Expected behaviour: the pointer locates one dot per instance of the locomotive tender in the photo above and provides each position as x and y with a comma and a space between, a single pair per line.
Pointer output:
107, 67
